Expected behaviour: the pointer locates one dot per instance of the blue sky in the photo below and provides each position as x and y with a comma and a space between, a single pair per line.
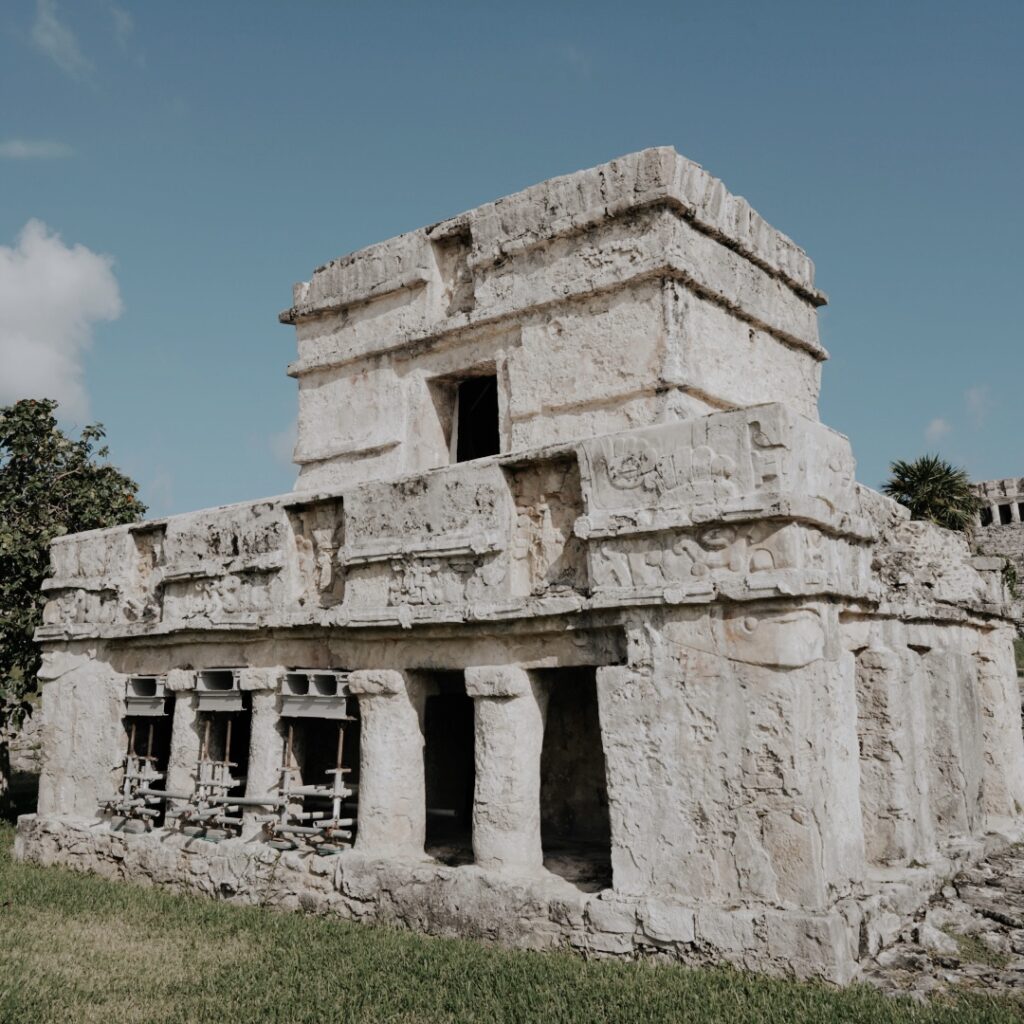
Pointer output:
217, 152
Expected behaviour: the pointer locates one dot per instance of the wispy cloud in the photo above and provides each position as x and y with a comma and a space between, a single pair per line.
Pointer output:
124, 25
53, 38
282, 445
937, 429
578, 59
51, 297
978, 402
33, 149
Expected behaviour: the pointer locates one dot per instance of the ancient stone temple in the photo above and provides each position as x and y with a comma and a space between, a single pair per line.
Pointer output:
999, 530
576, 629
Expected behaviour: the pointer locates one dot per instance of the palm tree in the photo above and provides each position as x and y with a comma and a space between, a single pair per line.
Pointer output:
935, 490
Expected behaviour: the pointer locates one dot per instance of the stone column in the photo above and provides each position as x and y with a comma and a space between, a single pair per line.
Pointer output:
509, 710
181, 765
1014, 511
392, 816
266, 750
1002, 794
894, 783
995, 515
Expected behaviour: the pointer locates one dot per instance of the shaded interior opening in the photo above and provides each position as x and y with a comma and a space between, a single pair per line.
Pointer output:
1005, 515
449, 768
574, 820
142, 686
476, 419
224, 737
148, 738
316, 747
1020, 511
217, 679
986, 516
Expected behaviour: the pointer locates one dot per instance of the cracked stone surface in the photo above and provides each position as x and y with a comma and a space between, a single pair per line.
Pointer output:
801, 713
969, 936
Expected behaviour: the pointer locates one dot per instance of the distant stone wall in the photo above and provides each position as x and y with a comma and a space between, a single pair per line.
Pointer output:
999, 530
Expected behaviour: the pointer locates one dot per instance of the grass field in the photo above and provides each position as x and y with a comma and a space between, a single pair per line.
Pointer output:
79, 949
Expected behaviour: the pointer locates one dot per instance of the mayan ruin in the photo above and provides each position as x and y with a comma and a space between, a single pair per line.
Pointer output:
999, 531
577, 628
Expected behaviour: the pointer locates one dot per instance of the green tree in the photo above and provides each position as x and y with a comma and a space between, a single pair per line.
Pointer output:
50, 484
935, 490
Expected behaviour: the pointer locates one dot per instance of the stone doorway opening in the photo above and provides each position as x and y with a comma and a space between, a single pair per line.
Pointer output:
319, 782
222, 768
449, 768
574, 820
148, 746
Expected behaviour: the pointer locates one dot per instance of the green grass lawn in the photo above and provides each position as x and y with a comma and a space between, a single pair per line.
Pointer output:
79, 949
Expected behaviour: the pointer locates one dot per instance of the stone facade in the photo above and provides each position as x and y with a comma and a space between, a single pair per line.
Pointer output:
576, 630
1000, 527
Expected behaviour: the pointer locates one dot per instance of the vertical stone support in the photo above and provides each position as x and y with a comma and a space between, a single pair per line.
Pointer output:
509, 709
266, 747
84, 741
392, 793
894, 782
181, 765
1002, 792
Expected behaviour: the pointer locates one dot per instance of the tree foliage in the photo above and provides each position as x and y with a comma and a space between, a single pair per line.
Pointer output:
50, 484
935, 490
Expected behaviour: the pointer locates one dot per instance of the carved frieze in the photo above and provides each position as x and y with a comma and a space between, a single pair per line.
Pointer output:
746, 460
757, 555
463, 510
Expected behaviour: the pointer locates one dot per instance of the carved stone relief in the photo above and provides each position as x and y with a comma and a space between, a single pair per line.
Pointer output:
544, 551
319, 532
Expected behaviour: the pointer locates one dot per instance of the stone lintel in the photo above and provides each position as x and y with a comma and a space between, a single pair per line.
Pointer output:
376, 682
497, 681
180, 680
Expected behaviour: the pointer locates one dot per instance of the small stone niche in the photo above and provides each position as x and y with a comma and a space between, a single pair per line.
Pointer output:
452, 255
547, 555
219, 689
314, 693
145, 696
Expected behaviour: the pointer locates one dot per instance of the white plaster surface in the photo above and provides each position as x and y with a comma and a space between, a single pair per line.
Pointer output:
807, 704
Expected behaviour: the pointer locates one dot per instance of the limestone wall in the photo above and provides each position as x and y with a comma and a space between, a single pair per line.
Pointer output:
616, 297
792, 710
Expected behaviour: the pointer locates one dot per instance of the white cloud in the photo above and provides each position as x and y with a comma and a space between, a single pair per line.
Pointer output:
937, 429
978, 402
51, 296
282, 445
33, 149
578, 59
57, 41
124, 24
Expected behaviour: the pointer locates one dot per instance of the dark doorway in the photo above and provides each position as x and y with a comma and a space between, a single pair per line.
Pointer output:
476, 419
449, 768
224, 745
148, 742
315, 745
575, 826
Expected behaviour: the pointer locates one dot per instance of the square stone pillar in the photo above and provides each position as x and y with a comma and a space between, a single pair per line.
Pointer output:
509, 710
181, 764
1002, 793
266, 748
392, 816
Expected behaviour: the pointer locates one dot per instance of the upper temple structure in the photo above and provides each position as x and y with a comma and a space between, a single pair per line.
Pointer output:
576, 630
